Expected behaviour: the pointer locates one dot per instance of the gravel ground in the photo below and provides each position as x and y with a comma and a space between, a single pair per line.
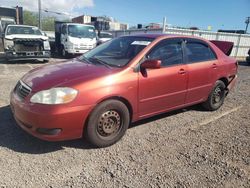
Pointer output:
184, 148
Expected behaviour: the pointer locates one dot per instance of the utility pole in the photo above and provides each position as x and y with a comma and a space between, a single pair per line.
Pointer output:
247, 23
164, 25
39, 15
17, 15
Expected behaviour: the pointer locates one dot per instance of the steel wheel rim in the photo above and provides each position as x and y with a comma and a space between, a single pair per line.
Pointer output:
109, 123
217, 95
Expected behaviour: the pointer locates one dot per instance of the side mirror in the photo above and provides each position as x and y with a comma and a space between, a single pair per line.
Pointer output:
151, 64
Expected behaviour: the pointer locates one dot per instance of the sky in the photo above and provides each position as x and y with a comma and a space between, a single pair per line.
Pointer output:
220, 14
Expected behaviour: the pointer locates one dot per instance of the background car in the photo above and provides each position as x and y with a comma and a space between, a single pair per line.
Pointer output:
248, 57
122, 81
104, 37
22, 42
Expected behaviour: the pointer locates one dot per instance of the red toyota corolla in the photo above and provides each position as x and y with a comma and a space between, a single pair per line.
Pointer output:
124, 80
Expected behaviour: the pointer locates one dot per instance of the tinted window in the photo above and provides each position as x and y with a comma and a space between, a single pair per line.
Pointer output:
170, 53
197, 52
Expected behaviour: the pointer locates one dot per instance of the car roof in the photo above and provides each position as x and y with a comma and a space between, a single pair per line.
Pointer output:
149, 35
22, 25
161, 35
79, 24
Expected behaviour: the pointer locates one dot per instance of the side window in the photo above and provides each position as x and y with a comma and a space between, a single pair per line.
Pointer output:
169, 52
64, 29
198, 52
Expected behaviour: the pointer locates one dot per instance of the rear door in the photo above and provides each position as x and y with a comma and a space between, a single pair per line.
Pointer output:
202, 67
165, 88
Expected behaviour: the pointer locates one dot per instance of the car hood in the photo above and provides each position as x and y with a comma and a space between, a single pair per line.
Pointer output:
22, 36
60, 74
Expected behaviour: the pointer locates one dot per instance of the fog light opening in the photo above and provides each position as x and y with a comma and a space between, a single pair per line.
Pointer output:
45, 131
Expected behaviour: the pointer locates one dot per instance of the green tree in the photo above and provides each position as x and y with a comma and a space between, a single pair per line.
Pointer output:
30, 18
48, 24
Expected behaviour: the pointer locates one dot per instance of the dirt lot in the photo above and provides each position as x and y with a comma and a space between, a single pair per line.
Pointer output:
184, 148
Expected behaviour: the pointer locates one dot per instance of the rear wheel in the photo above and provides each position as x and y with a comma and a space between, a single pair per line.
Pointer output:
107, 123
216, 97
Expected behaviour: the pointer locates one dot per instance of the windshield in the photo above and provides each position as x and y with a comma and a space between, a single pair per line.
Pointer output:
105, 35
81, 31
118, 52
23, 30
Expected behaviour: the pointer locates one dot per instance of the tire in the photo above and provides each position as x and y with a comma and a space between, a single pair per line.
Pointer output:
216, 97
107, 123
64, 53
248, 60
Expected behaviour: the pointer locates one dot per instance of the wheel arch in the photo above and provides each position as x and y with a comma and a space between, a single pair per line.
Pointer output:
224, 80
123, 100
119, 98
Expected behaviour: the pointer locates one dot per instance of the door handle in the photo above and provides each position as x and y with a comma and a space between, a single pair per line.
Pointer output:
182, 71
214, 66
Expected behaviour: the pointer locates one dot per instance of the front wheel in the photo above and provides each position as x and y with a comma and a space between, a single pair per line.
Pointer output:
107, 123
216, 97
64, 53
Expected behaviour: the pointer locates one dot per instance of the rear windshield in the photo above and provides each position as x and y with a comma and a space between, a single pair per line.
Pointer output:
12, 30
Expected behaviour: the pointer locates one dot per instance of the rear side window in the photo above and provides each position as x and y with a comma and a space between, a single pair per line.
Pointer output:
198, 52
169, 52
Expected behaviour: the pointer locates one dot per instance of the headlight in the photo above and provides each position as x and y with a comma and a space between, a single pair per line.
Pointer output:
60, 95
8, 44
46, 45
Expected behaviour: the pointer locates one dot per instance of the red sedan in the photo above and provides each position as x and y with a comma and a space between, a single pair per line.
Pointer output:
124, 80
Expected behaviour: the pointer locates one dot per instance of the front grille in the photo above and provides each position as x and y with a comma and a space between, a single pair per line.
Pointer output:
84, 47
22, 90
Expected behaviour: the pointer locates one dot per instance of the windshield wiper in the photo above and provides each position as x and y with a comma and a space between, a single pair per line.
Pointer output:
84, 59
100, 62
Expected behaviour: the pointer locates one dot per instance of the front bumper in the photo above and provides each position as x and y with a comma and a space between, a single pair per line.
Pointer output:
12, 56
68, 121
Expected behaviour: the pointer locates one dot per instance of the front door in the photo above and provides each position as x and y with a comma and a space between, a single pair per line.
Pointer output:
165, 88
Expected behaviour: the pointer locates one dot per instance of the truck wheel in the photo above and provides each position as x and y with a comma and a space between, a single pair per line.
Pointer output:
216, 97
107, 123
64, 53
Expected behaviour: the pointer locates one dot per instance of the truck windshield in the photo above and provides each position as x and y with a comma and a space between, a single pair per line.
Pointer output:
12, 30
81, 31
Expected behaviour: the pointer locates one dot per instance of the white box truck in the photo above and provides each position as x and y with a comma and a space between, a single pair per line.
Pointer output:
74, 38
